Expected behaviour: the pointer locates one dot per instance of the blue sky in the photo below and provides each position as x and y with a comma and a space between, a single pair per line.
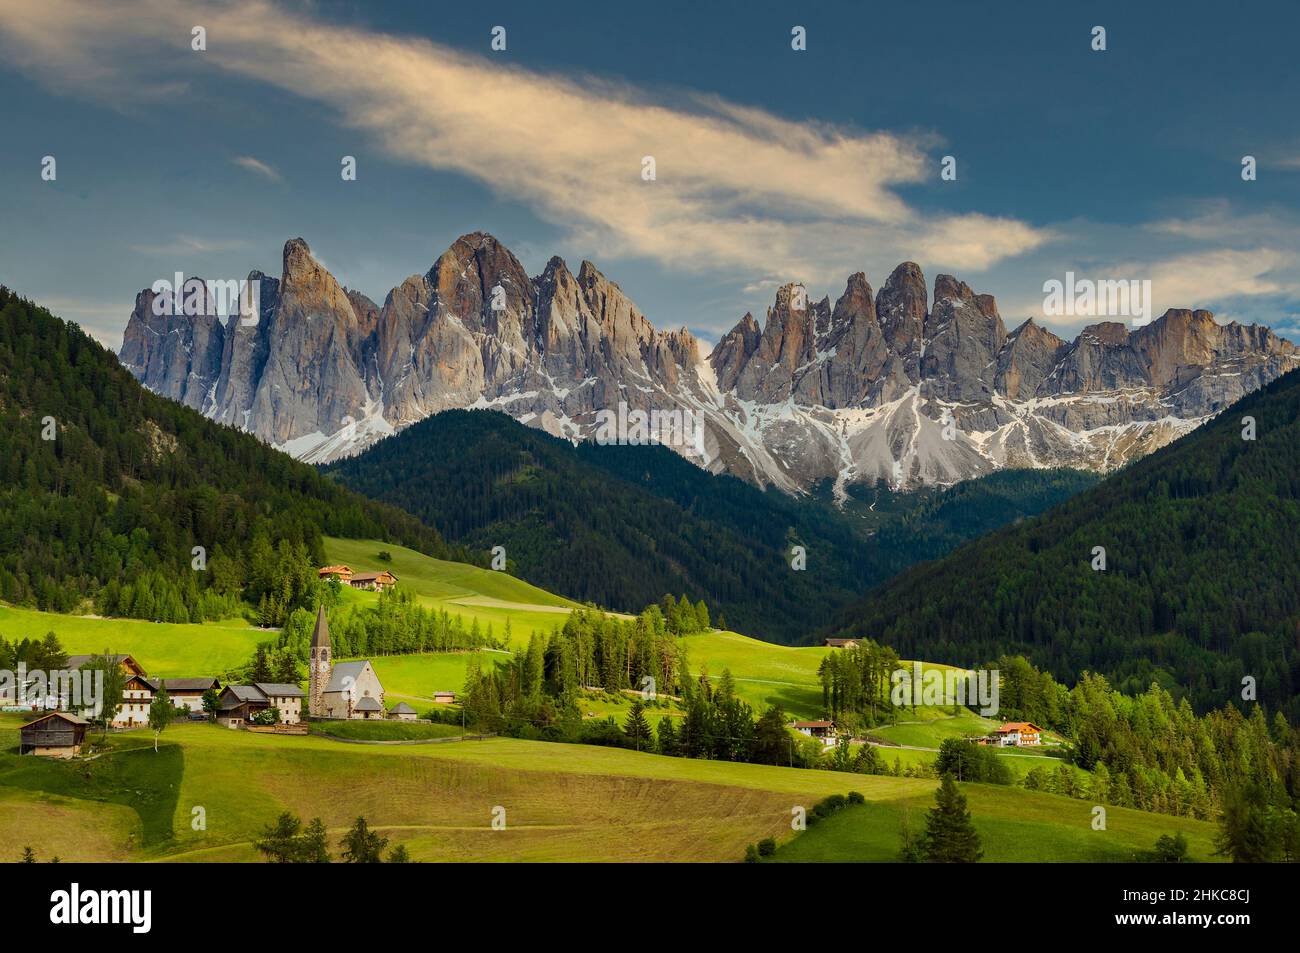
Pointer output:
772, 165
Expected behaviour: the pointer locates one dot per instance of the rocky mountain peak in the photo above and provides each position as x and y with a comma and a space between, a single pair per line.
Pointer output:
847, 392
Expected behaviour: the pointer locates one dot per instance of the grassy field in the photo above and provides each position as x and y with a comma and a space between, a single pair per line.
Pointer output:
460, 589
385, 730
561, 802
764, 673
1013, 824
164, 649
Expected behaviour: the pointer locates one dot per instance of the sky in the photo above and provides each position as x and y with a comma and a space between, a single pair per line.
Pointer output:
771, 164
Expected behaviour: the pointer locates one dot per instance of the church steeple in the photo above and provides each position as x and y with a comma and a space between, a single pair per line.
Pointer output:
319, 664
320, 637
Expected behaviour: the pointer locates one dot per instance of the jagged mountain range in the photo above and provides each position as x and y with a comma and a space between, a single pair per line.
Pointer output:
896, 385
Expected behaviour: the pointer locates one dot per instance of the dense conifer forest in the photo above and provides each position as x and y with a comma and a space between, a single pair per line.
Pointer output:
617, 525
1200, 590
106, 489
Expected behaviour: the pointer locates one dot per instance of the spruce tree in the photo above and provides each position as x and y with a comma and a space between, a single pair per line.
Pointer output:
950, 837
636, 727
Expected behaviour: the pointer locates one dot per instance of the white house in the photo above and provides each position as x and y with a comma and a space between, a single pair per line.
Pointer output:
287, 698
823, 731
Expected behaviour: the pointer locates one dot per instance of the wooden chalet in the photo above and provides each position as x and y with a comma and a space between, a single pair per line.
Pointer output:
373, 581
239, 703
59, 734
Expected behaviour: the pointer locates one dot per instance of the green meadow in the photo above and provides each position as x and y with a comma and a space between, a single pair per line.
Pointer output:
561, 802
163, 648
1013, 824
458, 588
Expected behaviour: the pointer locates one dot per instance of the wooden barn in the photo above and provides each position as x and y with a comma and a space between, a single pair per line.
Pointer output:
56, 735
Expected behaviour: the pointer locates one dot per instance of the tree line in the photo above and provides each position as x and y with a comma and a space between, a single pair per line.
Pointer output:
106, 490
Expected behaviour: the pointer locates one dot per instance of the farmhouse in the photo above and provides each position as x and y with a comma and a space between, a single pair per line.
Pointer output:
345, 690
842, 643
341, 573
822, 730
287, 698
402, 712
239, 703
137, 693
137, 696
56, 735
444, 698
373, 581
1017, 734
188, 693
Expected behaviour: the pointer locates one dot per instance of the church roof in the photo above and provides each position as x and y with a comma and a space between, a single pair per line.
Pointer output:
320, 637
367, 704
344, 675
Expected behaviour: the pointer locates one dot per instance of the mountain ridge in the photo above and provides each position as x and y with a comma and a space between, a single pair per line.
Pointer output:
898, 385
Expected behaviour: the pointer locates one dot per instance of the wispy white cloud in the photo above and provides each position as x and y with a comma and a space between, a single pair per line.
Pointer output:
737, 188
190, 244
258, 166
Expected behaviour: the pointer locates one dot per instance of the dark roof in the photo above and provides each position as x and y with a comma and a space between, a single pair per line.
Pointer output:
76, 661
402, 708
367, 704
189, 684
342, 672
65, 715
280, 689
371, 576
242, 694
320, 637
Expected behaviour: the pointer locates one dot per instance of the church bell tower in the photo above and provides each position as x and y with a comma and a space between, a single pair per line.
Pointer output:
319, 663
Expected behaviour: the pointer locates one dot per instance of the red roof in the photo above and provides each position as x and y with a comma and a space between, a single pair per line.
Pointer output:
1018, 726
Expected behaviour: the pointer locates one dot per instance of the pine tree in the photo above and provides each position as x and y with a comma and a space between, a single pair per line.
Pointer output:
279, 840
362, 845
313, 847
636, 727
668, 743
950, 837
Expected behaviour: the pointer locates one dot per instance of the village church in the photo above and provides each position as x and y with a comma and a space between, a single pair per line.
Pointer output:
345, 690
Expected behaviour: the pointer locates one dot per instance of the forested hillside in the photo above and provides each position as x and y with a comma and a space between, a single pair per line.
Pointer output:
106, 488
1201, 585
621, 525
